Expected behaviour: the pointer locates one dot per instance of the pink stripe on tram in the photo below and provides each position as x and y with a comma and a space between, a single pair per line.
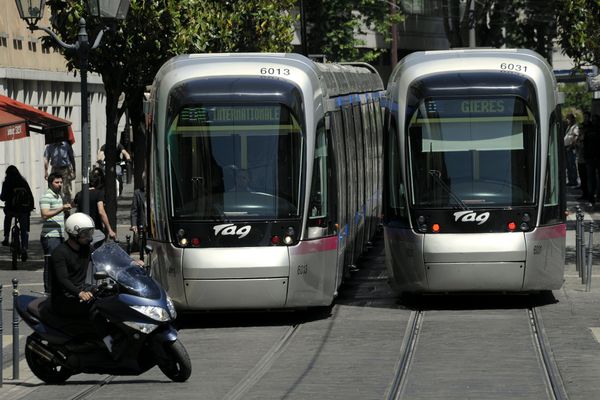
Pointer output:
315, 246
550, 232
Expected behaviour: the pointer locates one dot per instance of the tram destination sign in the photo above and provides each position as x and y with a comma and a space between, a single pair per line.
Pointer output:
475, 107
228, 115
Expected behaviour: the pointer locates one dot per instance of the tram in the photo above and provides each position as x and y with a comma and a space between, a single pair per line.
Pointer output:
264, 178
474, 195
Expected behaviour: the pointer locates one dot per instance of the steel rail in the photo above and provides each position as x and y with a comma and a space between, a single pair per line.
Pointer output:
411, 336
262, 366
89, 391
556, 387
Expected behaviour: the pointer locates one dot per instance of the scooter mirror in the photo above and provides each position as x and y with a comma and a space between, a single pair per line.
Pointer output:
148, 249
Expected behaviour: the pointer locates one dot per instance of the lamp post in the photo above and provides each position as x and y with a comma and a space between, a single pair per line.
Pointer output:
31, 11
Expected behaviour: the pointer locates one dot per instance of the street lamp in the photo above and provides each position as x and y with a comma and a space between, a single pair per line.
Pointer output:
31, 11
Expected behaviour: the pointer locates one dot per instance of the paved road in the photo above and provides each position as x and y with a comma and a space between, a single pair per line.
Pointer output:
352, 351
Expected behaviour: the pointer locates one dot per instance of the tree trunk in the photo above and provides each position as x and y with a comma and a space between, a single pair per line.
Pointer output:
110, 151
135, 103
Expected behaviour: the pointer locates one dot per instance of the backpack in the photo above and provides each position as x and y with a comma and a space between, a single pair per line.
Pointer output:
21, 200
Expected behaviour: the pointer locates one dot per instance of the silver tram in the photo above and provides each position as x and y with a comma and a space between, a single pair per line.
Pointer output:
264, 178
473, 170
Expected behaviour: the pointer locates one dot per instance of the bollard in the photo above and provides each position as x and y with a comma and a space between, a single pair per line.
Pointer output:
588, 270
578, 239
581, 248
128, 240
15, 283
1, 341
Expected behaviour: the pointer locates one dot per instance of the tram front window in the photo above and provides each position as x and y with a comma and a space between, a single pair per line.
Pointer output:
472, 152
235, 162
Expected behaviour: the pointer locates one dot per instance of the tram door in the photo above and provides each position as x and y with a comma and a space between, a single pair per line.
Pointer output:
339, 159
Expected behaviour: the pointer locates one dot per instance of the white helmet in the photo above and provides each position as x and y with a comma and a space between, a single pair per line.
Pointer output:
79, 223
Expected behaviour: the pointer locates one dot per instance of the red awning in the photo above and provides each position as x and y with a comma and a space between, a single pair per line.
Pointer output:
56, 129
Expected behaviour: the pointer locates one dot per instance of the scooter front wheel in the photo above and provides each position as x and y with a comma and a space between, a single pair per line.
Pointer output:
178, 366
47, 371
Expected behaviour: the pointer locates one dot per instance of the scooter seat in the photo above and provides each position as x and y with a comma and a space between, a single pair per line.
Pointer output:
35, 306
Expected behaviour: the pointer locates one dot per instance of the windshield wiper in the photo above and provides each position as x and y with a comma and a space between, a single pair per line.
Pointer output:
437, 176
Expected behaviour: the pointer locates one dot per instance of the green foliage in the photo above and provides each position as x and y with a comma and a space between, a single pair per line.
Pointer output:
579, 23
332, 26
577, 98
512, 23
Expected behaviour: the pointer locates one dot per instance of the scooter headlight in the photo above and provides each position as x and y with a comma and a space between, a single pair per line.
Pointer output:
154, 312
140, 326
171, 308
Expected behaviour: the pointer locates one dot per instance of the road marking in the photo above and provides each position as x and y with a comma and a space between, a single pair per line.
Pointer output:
596, 333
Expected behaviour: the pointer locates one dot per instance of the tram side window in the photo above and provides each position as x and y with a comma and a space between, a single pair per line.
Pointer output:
551, 212
395, 200
319, 193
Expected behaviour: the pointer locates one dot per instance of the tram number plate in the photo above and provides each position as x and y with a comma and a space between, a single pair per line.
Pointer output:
302, 269
274, 71
513, 67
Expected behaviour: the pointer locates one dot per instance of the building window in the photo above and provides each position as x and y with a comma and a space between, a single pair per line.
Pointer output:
45, 48
3, 42
18, 44
32, 46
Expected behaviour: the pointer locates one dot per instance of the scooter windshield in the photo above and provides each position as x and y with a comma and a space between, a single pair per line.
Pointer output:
113, 260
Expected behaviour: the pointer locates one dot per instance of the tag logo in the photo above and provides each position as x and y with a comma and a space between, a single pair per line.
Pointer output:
231, 229
471, 216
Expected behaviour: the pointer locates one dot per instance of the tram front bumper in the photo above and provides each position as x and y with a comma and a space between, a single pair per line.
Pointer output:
477, 262
236, 278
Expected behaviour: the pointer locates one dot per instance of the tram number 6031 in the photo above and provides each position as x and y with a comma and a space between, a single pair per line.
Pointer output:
274, 71
513, 67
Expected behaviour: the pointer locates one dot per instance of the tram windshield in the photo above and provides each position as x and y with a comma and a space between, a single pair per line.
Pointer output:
472, 152
235, 162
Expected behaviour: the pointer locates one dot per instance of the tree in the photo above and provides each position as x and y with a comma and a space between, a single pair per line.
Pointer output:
579, 27
333, 25
154, 31
529, 24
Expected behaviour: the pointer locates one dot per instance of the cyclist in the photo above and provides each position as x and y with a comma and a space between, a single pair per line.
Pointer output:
18, 203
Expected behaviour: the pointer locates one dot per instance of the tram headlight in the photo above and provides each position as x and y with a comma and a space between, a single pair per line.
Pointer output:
181, 239
288, 239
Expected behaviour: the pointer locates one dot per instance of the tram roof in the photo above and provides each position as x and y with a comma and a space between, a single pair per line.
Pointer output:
335, 79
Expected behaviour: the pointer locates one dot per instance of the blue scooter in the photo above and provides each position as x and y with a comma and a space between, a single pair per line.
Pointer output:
138, 314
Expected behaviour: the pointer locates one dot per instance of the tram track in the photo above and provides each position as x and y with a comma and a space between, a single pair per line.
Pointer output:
91, 390
423, 351
557, 390
262, 366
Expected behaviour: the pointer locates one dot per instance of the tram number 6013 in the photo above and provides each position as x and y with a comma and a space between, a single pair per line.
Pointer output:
274, 71
513, 67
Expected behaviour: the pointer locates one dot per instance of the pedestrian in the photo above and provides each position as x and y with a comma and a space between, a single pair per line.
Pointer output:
18, 203
138, 211
580, 159
52, 209
570, 138
591, 146
96, 206
59, 156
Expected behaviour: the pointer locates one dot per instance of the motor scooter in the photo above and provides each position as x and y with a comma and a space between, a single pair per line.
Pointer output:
139, 316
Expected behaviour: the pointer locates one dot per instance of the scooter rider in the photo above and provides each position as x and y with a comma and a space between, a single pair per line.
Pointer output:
68, 268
